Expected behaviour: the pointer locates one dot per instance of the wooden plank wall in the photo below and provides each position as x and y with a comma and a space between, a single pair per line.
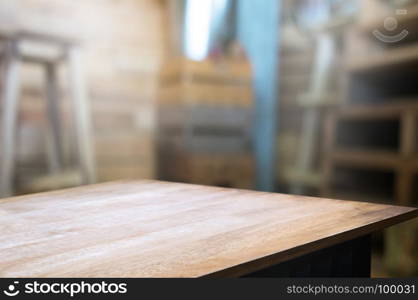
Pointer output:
124, 44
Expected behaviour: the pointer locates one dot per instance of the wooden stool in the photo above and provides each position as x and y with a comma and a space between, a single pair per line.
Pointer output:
64, 50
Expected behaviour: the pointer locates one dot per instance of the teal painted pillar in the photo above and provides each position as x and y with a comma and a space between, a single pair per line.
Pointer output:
258, 31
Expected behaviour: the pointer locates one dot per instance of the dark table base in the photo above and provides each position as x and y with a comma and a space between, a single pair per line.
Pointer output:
348, 259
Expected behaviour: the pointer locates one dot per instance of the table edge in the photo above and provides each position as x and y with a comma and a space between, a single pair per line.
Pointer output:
273, 259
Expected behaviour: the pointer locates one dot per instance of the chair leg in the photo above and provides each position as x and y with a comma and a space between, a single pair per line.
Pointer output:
82, 116
54, 141
10, 97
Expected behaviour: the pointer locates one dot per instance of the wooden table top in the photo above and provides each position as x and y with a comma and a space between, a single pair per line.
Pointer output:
160, 229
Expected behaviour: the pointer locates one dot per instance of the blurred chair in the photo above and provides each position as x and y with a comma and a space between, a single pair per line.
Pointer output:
48, 51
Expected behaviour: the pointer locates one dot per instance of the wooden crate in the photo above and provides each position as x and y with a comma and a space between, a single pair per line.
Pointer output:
218, 130
204, 111
207, 83
129, 170
235, 171
370, 145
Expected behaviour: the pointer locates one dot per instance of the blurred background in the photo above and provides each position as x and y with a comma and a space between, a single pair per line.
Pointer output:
309, 97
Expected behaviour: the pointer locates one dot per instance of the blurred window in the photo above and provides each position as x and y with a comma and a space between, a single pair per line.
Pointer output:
202, 17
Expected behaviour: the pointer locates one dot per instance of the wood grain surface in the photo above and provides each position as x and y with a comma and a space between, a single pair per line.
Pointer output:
161, 229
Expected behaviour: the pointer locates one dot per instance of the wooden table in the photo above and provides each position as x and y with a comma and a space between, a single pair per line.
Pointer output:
161, 229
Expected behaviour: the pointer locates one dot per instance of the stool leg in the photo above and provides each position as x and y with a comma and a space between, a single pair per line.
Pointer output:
82, 116
54, 129
10, 95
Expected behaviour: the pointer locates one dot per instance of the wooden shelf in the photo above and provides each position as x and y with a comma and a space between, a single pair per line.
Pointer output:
367, 159
398, 57
391, 110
